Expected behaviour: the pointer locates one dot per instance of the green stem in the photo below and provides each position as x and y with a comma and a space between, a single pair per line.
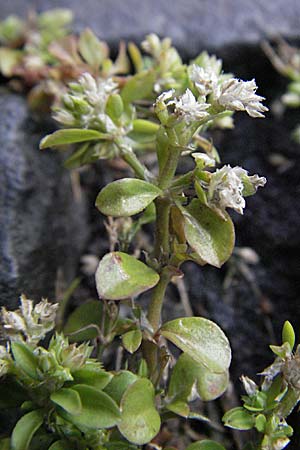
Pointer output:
139, 169
154, 313
155, 307
288, 403
162, 241
167, 173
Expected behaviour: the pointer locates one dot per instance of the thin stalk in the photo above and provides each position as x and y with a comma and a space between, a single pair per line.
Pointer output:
162, 254
288, 403
167, 173
138, 168
162, 241
155, 307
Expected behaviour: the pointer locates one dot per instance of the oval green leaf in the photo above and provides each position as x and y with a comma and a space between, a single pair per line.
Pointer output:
25, 429
60, 445
120, 276
288, 334
126, 197
68, 399
139, 86
83, 323
118, 385
98, 409
70, 136
239, 419
210, 236
209, 385
143, 131
205, 445
114, 106
201, 339
140, 419
92, 50
132, 340
25, 359
92, 375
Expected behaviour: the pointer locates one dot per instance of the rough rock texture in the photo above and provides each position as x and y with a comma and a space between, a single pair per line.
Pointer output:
190, 23
254, 306
41, 225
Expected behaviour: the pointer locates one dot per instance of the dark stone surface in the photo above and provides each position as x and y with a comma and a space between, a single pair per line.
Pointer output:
251, 311
192, 24
41, 225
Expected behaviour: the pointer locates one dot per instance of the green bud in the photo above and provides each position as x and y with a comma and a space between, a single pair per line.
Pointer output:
288, 334
114, 106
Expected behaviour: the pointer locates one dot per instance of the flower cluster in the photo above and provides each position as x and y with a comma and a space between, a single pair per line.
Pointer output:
238, 95
227, 185
29, 323
170, 71
222, 90
84, 105
5, 360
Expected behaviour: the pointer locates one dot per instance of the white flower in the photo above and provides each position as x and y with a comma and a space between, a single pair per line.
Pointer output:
249, 385
151, 44
13, 321
154, 46
187, 107
97, 91
210, 63
45, 311
64, 117
5, 359
239, 95
226, 188
167, 95
30, 323
205, 79
204, 160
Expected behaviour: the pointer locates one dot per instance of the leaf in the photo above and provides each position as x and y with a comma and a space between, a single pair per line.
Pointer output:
140, 420
118, 385
209, 385
143, 131
239, 419
92, 49
179, 407
88, 315
132, 340
25, 359
68, 399
201, 339
70, 136
126, 197
121, 276
98, 409
288, 334
55, 18
210, 236
114, 106
92, 376
138, 87
25, 429
9, 58
136, 56
206, 444
60, 445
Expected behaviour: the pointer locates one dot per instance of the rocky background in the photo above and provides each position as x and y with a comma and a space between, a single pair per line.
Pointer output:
44, 228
